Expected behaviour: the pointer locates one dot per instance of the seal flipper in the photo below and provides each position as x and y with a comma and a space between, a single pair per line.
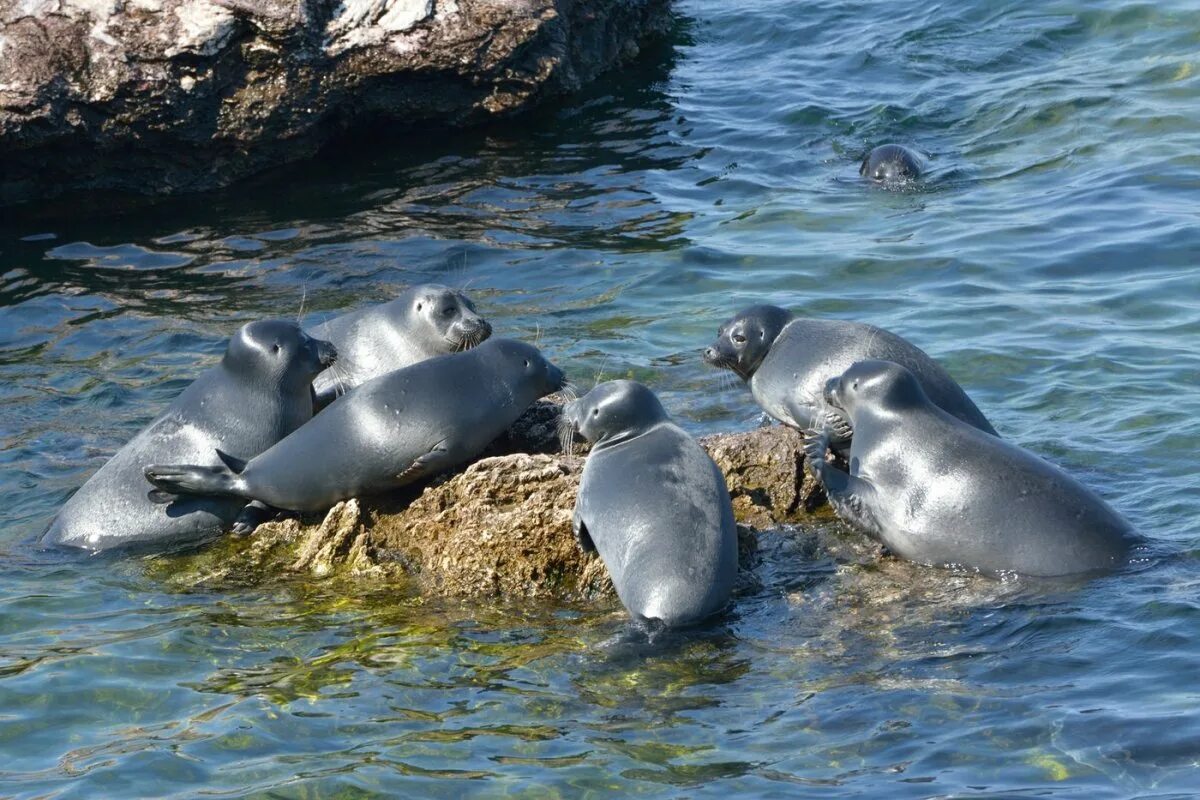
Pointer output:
431, 463
579, 528
251, 516
849, 494
176, 479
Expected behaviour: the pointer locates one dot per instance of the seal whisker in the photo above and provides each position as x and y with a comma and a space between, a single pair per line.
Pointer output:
303, 298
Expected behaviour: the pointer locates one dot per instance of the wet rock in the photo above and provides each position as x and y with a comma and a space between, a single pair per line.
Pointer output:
501, 527
764, 470
159, 96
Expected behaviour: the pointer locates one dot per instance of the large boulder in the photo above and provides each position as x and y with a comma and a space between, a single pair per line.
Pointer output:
179, 95
499, 528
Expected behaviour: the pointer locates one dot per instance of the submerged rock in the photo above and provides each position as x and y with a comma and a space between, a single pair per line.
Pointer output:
501, 528
181, 95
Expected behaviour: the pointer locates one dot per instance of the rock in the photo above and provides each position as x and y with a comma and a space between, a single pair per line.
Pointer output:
501, 528
764, 470
155, 96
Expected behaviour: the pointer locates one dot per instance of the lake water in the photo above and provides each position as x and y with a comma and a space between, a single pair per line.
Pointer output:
1050, 260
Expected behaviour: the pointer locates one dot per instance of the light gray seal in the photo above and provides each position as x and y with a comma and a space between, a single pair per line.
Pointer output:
786, 361
423, 322
654, 505
259, 393
891, 163
935, 490
392, 430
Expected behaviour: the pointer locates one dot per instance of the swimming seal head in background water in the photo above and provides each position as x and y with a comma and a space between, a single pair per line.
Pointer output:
891, 163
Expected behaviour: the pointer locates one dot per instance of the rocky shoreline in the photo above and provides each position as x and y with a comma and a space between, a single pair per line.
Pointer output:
501, 528
163, 96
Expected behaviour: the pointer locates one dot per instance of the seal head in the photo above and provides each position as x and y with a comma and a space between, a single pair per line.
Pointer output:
446, 314
614, 412
744, 341
277, 351
891, 163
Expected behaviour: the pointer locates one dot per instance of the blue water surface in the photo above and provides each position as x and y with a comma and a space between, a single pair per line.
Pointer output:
1049, 259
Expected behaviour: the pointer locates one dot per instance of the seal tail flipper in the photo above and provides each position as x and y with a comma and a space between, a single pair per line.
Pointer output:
171, 480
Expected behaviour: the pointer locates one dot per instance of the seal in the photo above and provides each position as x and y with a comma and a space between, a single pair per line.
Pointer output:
786, 361
891, 163
259, 393
392, 430
423, 322
935, 490
654, 506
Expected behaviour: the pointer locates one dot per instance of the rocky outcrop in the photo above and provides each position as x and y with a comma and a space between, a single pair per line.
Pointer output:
501, 527
178, 95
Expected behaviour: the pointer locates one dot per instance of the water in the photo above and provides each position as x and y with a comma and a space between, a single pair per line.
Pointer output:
1049, 261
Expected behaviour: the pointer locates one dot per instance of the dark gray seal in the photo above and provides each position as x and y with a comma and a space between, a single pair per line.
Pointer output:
654, 505
786, 361
937, 491
259, 393
891, 163
424, 322
390, 431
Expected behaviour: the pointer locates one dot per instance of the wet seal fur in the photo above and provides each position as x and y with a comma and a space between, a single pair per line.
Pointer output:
786, 361
391, 431
424, 322
937, 491
891, 163
655, 507
259, 393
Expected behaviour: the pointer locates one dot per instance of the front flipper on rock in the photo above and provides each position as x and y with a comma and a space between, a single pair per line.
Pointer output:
581, 534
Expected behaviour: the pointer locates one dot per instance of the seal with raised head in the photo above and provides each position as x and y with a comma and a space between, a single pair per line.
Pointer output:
259, 393
392, 430
654, 505
786, 361
891, 163
423, 322
935, 490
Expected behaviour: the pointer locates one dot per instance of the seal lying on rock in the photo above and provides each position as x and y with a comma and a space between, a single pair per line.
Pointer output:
390, 431
786, 360
259, 393
935, 490
891, 163
654, 505
423, 322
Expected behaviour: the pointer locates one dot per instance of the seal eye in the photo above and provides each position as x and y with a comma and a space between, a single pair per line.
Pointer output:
595, 412
855, 385
739, 339
527, 362
418, 306
275, 349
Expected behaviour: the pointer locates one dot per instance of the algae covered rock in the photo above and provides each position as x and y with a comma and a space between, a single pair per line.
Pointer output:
501, 527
